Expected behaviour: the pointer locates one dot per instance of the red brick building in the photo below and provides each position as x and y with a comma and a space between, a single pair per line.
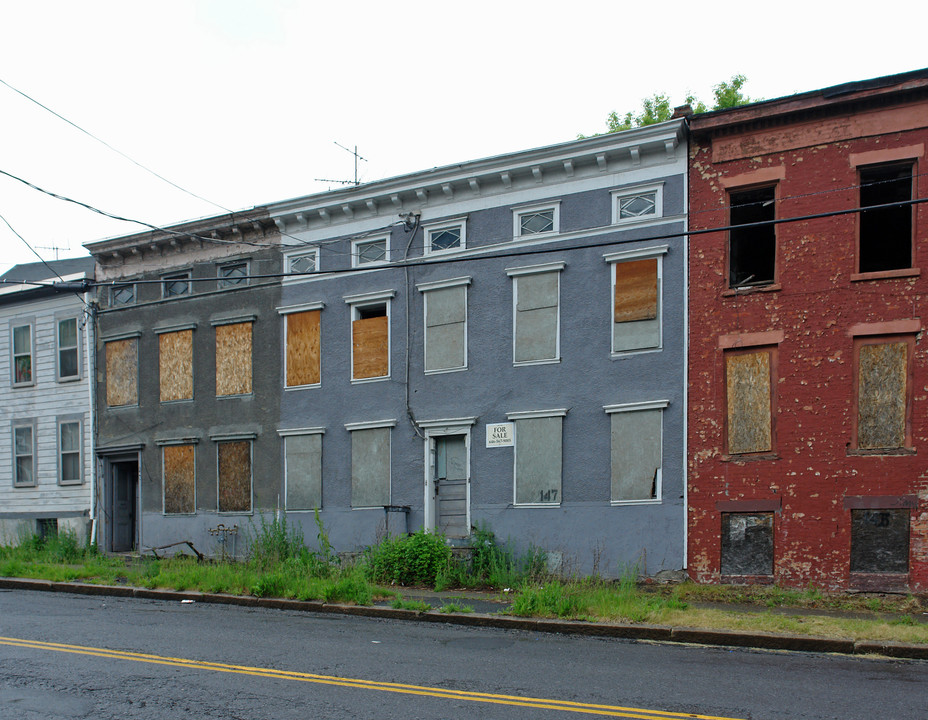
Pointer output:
808, 361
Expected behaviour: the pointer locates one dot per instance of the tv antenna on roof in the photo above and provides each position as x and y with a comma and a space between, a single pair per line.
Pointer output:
54, 248
357, 157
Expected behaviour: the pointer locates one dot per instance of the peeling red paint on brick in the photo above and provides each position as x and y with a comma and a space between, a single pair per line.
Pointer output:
817, 303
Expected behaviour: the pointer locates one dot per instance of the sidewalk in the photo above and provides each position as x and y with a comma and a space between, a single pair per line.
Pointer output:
486, 604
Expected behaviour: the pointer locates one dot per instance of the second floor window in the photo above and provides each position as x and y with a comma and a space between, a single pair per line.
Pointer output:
752, 249
68, 350
22, 355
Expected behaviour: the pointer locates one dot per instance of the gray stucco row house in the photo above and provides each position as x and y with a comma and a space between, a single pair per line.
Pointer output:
499, 343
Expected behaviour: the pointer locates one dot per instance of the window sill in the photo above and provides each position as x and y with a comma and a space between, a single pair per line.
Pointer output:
860, 452
228, 513
623, 503
70, 379
445, 371
875, 582
179, 401
310, 386
619, 354
536, 505
123, 407
70, 483
529, 363
754, 457
363, 381
239, 396
751, 289
23, 385
886, 274
747, 579
23, 487
178, 514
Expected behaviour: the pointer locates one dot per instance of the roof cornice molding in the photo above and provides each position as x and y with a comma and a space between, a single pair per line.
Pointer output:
551, 165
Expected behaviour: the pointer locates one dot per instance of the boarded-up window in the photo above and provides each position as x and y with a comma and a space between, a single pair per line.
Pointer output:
370, 468
303, 456
538, 461
234, 460
175, 363
536, 317
303, 336
233, 359
122, 372
636, 455
445, 328
179, 479
748, 382
747, 544
882, 395
370, 341
880, 541
636, 305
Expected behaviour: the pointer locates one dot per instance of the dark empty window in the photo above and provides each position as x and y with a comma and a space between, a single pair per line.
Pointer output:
885, 232
747, 544
880, 541
752, 249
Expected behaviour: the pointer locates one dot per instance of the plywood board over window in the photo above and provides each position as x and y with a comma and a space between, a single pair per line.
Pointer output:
234, 460
636, 290
303, 336
179, 479
122, 372
233, 359
370, 339
175, 364
749, 408
882, 372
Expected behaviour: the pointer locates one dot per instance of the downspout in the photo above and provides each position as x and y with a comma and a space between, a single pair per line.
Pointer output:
686, 341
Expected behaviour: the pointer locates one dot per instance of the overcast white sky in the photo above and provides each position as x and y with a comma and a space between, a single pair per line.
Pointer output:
242, 101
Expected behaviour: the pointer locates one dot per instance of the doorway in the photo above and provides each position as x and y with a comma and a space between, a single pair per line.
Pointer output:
448, 485
122, 504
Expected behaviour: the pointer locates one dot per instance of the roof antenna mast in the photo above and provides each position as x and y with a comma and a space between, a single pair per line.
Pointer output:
357, 157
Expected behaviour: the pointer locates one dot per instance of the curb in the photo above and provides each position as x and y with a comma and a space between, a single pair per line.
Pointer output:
697, 636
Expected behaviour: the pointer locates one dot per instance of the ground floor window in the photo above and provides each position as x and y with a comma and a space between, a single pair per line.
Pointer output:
747, 544
234, 461
880, 541
303, 470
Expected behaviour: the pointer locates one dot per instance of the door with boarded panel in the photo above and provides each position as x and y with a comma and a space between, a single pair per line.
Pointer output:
450, 482
123, 483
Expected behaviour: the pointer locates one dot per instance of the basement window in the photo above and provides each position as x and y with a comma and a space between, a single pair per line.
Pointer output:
880, 541
885, 233
747, 544
752, 249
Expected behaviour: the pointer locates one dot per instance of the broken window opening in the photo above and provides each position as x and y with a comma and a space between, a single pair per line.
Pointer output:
880, 541
885, 233
747, 544
752, 250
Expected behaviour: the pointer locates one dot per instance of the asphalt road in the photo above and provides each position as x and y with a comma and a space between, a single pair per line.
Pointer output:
75, 656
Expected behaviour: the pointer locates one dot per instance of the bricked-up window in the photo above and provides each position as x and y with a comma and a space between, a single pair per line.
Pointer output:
122, 372
885, 233
234, 461
233, 359
69, 367
22, 355
175, 365
752, 250
370, 467
636, 305
303, 471
880, 541
749, 383
302, 358
538, 457
747, 544
883, 392
536, 313
179, 468
370, 341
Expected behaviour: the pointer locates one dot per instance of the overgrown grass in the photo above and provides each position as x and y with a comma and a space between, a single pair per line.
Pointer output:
453, 607
491, 565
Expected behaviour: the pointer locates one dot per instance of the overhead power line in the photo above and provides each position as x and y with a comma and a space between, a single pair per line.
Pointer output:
115, 150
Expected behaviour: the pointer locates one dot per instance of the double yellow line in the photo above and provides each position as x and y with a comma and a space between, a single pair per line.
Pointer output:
511, 700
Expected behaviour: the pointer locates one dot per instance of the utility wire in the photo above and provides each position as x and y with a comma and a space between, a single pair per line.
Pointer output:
118, 152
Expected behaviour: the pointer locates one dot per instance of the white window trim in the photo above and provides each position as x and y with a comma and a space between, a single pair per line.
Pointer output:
536, 270
364, 300
656, 188
285, 313
658, 253
289, 277
425, 289
449, 224
14, 426
175, 277
185, 441
638, 407
13, 326
220, 438
376, 425
222, 283
356, 258
519, 210
80, 452
444, 428
514, 417
289, 433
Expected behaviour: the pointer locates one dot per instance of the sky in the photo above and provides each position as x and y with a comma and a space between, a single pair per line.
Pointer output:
245, 102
